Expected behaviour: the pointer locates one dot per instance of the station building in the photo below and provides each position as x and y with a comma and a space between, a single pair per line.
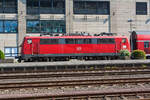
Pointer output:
19, 18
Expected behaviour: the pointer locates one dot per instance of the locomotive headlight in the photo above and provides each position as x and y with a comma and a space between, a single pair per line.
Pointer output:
29, 41
124, 46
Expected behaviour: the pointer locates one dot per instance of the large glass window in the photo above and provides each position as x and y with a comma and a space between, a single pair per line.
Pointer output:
8, 26
103, 8
1, 6
58, 4
8, 6
91, 7
1, 26
52, 26
33, 6
141, 8
46, 6
33, 26
33, 3
46, 26
1, 3
11, 51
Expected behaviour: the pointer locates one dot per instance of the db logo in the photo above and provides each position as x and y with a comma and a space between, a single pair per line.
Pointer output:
78, 48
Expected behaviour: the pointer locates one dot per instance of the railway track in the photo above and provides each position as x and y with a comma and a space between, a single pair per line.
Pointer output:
75, 73
18, 82
79, 82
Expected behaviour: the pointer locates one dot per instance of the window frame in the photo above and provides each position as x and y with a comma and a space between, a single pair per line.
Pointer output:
45, 10
78, 41
8, 9
49, 41
138, 8
103, 41
37, 28
146, 44
81, 7
11, 54
3, 25
54, 26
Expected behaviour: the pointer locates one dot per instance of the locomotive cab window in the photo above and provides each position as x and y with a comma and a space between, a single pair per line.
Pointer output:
49, 41
29, 41
146, 44
106, 41
124, 40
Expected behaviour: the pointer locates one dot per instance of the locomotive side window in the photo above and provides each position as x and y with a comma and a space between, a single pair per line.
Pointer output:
49, 41
87, 41
69, 41
146, 44
106, 41
78, 41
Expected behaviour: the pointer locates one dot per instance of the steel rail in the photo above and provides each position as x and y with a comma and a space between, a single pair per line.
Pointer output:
70, 74
80, 82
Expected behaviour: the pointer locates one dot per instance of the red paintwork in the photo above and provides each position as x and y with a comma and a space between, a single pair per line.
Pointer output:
140, 39
36, 48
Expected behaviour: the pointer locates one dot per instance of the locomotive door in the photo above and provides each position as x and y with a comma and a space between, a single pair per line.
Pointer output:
118, 46
35, 47
121, 44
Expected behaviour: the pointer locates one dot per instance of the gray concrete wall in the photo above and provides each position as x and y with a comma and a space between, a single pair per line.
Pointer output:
124, 10
8, 39
121, 12
91, 23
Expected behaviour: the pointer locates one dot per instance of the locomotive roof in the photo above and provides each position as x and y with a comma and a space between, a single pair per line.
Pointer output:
75, 37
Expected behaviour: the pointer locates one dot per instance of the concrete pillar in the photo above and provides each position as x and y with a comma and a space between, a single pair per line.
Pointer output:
113, 16
69, 16
21, 21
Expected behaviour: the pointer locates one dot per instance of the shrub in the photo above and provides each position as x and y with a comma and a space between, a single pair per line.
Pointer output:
138, 54
124, 54
2, 56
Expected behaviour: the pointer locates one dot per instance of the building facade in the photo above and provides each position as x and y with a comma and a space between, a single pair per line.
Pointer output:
19, 18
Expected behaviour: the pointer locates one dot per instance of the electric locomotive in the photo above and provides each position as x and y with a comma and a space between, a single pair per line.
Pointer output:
49, 48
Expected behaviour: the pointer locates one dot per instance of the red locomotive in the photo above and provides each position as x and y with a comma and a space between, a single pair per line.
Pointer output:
66, 47
140, 40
